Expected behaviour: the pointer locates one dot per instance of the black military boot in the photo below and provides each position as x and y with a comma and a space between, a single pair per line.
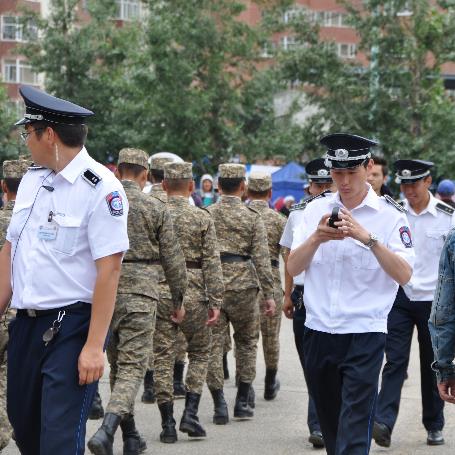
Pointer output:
149, 388
220, 415
169, 434
190, 421
102, 441
252, 397
96, 411
133, 444
242, 409
272, 384
225, 366
179, 385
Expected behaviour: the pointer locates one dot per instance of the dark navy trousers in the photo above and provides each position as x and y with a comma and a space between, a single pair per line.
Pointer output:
342, 372
47, 407
298, 323
402, 319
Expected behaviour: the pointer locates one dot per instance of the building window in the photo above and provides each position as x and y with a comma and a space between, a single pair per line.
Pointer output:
129, 9
330, 18
293, 14
346, 50
13, 30
19, 72
289, 43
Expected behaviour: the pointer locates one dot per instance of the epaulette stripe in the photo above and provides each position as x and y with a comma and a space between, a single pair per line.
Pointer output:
445, 208
396, 204
91, 178
303, 204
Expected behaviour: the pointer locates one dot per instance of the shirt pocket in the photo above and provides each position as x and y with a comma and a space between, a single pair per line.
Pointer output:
67, 235
362, 257
18, 220
434, 240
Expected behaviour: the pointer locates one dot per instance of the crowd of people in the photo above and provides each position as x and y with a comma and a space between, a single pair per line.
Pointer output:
90, 262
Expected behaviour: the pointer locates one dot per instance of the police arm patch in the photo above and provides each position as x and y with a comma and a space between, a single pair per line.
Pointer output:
115, 203
405, 236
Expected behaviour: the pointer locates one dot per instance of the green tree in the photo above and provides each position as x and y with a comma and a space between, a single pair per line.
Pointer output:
9, 141
397, 97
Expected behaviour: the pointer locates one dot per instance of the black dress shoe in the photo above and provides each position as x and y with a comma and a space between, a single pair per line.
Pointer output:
381, 434
435, 438
316, 439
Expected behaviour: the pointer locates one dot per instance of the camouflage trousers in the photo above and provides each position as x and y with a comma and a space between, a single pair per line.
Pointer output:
5, 426
131, 328
270, 332
241, 309
198, 337
227, 345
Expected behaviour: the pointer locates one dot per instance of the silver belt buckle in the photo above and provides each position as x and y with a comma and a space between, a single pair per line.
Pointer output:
31, 313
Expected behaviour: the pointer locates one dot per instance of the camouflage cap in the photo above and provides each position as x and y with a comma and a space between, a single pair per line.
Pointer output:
133, 156
158, 163
178, 171
259, 182
231, 171
15, 169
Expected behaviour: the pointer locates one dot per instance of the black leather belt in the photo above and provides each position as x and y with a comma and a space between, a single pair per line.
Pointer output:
142, 261
193, 264
38, 313
275, 263
228, 257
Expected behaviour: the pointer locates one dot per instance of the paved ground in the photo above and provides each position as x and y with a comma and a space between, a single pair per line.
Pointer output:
279, 427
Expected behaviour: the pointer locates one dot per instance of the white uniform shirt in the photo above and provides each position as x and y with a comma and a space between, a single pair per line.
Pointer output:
429, 230
53, 262
346, 290
293, 222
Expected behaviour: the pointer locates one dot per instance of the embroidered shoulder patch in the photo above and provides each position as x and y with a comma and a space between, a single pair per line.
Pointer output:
91, 178
115, 203
405, 236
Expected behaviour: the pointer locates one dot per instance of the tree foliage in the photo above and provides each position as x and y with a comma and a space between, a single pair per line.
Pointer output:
9, 142
397, 97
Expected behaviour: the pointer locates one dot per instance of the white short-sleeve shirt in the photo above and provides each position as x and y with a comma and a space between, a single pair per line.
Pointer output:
429, 230
346, 290
56, 236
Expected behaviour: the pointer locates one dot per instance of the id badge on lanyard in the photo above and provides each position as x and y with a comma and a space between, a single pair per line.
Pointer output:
48, 231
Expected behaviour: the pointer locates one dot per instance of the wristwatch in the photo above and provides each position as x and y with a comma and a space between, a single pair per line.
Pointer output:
372, 242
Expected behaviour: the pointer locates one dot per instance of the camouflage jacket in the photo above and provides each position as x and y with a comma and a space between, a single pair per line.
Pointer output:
240, 231
158, 192
274, 225
152, 238
197, 237
5, 217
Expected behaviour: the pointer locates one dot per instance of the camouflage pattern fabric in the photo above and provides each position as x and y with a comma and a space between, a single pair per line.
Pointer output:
128, 349
227, 346
180, 347
158, 192
270, 326
196, 234
5, 427
241, 309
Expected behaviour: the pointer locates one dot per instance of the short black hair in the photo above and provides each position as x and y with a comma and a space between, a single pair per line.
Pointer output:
129, 168
381, 162
70, 135
177, 184
157, 175
260, 194
230, 185
12, 184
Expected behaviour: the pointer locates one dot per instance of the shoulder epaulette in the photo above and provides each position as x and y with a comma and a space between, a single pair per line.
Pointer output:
393, 202
445, 208
35, 167
91, 178
303, 204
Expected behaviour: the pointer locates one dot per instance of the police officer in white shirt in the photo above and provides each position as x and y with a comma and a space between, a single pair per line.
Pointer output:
60, 267
352, 272
320, 182
430, 220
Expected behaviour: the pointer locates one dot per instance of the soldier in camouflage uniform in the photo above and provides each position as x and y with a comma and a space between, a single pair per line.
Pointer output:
156, 177
242, 241
196, 233
152, 241
13, 171
259, 193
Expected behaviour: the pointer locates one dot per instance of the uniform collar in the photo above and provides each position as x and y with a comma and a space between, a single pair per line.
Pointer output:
259, 203
228, 199
131, 184
371, 199
430, 208
75, 167
178, 200
9, 205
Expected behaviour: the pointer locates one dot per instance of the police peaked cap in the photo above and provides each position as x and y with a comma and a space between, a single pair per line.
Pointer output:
409, 171
40, 106
317, 171
346, 150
